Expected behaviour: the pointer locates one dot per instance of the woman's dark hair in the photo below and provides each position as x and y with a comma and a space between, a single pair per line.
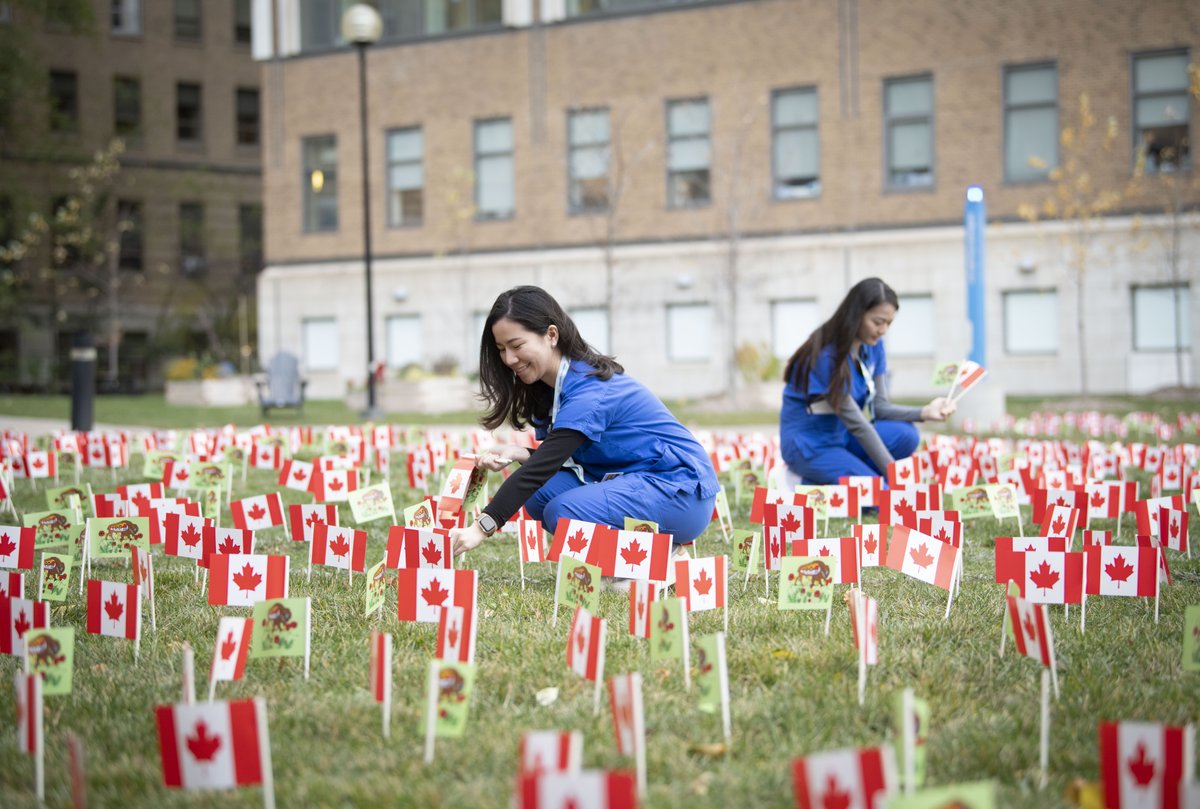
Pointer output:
840, 331
508, 398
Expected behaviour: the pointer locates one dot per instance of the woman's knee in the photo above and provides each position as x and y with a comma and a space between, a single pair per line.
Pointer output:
904, 439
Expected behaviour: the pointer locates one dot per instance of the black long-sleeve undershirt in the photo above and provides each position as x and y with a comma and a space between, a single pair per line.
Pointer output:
543, 462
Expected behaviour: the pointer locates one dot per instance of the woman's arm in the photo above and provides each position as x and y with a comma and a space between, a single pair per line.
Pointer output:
858, 426
936, 410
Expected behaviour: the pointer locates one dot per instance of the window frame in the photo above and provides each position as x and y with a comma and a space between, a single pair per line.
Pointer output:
777, 129
135, 237
308, 196
336, 363
238, 40
480, 214
250, 261
64, 122
408, 317
1005, 297
574, 209
889, 121
1008, 107
134, 132
198, 140
1134, 97
671, 102
1133, 315
192, 241
909, 299
389, 164
130, 8
197, 22
675, 306
241, 122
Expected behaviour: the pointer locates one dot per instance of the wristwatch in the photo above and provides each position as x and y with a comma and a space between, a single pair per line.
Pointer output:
487, 524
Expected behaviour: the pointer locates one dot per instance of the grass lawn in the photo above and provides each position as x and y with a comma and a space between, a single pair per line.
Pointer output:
793, 689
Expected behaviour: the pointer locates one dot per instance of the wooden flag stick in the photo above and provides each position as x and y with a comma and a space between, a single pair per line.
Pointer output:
189, 676
76, 766
600, 669
307, 634
264, 752
909, 740
687, 655
431, 707
828, 615
1044, 747
861, 616
39, 753
557, 587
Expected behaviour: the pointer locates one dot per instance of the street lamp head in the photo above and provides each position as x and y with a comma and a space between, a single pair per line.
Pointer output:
361, 24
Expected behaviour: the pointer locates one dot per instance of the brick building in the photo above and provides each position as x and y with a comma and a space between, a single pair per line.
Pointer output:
175, 81
691, 178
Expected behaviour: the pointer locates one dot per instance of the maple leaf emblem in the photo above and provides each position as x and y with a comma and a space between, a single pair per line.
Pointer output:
141, 501
1118, 569
905, 510
228, 546
954, 480
247, 579
452, 634
336, 484
577, 542
702, 584
835, 797
870, 544
21, 624
1174, 528
531, 539
190, 536
641, 610
228, 647
456, 482
435, 595
1140, 767
313, 520
921, 556
1058, 525
863, 488
299, 474
1044, 577
790, 523
1060, 501
7, 546
202, 746
256, 512
580, 638
339, 546
903, 472
432, 555
114, 607
181, 474
836, 500
1098, 499
633, 555
1030, 627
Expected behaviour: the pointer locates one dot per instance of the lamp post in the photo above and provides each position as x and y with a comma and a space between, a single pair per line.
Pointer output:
362, 26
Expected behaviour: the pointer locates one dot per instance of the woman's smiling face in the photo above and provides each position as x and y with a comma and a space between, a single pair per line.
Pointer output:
875, 323
530, 355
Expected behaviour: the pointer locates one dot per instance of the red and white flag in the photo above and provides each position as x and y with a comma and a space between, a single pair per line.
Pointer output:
333, 485
872, 544
542, 751
629, 724
1031, 630
423, 591
869, 487
1172, 525
532, 544
342, 547
842, 551
266, 456
17, 617
899, 506
841, 502
16, 547
1048, 575
584, 789
639, 555
1093, 536
795, 522
231, 648
702, 583
106, 504
160, 507
41, 464
970, 374
574, 539
184, 535
213, 745
764, 497
1149, 511
1103, 499
30, 715
381, 667
903, 472
848, 779
305, 518
418, 547
1119, 570
585, 645
113, 609
641, 595
257, 513
1145, 764
244, 579
1060, 521
922, 557
456, 636
945, 526
226, 540
12, 584
296, 475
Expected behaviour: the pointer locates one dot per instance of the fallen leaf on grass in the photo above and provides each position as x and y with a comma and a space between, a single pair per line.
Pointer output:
700, 785
1084, 794
547, 696
783, 654
716, 750
762, 600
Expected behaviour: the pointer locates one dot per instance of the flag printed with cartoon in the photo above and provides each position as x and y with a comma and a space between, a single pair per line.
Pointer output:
112, 537
55, 572
377, 582
257, 513
668, 633
244, 579
747, 551
51, 528
52, 655
304, 519
231, 650
1144, 764
372, 503
840, 552
711, 679
910, 731
969, 795
805, 583
213, 745
578, 584
1191, 638
450, 687
113, 609
848, 779
971, 503
281, 628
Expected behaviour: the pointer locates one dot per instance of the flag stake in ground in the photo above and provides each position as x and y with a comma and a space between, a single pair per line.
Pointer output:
189, 676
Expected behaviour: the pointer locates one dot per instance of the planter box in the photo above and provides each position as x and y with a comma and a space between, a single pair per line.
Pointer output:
234, 391
436, 394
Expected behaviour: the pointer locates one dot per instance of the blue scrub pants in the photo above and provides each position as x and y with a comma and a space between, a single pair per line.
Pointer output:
564, 497
830, 463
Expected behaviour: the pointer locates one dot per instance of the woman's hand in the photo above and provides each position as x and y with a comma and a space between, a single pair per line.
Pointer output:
464, 539
938, 410
496, 458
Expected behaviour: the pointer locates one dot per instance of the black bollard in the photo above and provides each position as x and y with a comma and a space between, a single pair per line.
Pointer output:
83, 382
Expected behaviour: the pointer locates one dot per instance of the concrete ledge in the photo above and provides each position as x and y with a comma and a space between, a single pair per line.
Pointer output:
435, 394
232, 391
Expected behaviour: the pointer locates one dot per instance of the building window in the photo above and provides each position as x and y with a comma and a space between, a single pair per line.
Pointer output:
127, 106
795, 144
1030, 122
689, 153
250, 238
1031, 322
588, 149
912, 333
189, 118
792, 321
320, 182
247, 116
404, 346
130, 226
689, 332
64, 101
592, 324
1161, 110
494, 193
241, 22
459, 15
126, 18
908, 121
1162, 317
191, 238
405, 176
320, 344
187, 20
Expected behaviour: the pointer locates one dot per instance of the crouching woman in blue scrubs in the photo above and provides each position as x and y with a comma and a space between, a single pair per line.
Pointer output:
836, 419
609, 448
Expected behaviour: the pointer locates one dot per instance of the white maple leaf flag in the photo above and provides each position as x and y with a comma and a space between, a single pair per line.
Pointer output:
702, 583
244, 579
257, 513
641, 594
585, 645
584, 789
542, 751
1143, 764
304, 518
848, 779
213, 745
922, 557
295, 475
231, 649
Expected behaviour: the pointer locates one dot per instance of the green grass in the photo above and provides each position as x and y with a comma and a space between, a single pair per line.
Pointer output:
793, 689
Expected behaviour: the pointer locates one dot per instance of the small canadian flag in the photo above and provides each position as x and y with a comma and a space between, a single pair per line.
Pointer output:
872, 541
422, 592
702, 583
225, 540
17, 617
922, 557
1145, 764
574, 539
1119, 570
342, 547
244, 579
1172, 526
456, 636
1031, 630
850, 779
266, 456
12, 584
44, 464
864, 611
381, 666
231, 649
30, 715
585, 645
418, 547
113, 609
16, 547
638, 555
295, 475
257, 513
334, 485
903, 472
1103, 499
583, 789
543, 751
303, 519
625, 699
213, 745
533, 546
641, 595
794, 522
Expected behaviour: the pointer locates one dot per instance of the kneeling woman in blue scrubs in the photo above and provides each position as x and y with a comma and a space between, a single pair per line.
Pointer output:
836, 419
609, 448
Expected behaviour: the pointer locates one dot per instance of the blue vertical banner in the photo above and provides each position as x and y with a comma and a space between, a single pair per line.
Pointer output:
974, 222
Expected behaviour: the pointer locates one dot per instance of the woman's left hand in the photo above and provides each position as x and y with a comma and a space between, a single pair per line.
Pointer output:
464, 539
938, 410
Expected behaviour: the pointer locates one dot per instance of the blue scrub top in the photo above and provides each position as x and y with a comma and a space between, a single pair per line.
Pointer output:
803, 434
629, 430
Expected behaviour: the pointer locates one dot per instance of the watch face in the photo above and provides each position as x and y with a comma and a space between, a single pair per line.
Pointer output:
487, 524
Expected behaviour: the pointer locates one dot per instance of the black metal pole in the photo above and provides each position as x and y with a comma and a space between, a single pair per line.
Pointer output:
83, 381
371, 411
